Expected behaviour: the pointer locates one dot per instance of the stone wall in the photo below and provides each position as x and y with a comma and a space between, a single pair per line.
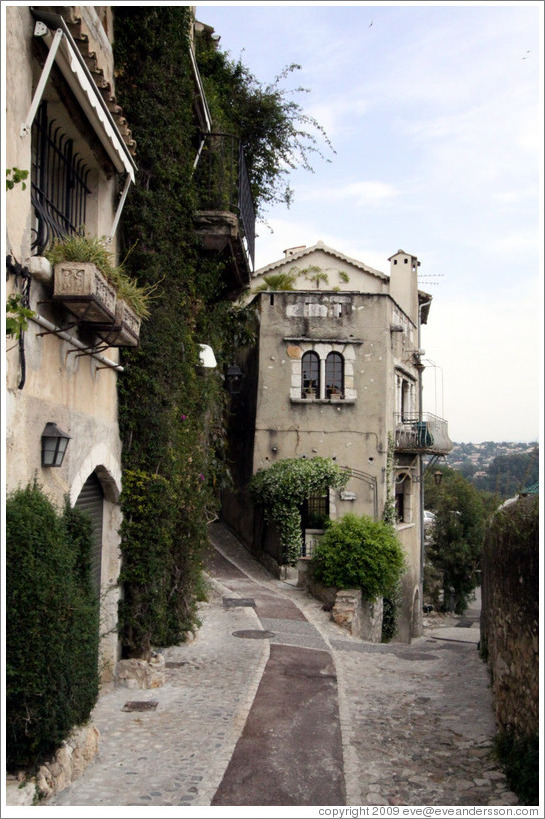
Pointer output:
54, 776
361, 618
510, 615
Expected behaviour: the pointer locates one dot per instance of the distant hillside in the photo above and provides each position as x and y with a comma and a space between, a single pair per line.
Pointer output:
504, 468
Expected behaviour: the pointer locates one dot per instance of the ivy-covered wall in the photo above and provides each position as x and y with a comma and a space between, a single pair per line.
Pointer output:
172, 414
171, 410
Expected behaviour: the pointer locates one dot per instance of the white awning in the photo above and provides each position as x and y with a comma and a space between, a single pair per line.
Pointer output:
64, 51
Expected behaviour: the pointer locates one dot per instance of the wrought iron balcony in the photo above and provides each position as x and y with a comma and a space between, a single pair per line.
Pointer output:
421, 433
225, 221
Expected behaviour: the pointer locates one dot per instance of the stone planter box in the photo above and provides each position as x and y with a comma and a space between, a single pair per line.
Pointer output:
125, 329
84, 291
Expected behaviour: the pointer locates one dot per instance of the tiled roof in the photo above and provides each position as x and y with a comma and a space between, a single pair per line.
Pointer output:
81, 39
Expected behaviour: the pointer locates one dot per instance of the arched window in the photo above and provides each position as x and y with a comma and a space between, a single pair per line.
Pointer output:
334, 374
310, 375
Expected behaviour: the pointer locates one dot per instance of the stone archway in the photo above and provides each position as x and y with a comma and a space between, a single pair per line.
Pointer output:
96, 489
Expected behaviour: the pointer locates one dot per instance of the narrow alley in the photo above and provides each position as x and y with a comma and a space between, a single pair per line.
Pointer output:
274, 704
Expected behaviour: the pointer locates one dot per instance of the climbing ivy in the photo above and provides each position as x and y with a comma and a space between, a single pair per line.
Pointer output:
389, 512
171, 411
282, 489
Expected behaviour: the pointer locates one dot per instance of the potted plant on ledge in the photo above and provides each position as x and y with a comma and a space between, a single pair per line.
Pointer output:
97, 291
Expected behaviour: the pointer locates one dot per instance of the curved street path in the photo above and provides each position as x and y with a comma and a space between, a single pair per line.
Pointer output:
274, 704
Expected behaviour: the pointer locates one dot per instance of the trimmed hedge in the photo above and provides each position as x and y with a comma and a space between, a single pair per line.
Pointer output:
51, 626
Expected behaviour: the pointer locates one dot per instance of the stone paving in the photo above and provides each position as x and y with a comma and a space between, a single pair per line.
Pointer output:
416, 720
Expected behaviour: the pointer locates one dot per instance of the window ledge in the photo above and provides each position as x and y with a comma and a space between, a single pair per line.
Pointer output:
337, 402
404, 525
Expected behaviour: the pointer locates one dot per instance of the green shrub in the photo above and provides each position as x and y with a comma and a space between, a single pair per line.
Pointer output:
359, 552
519, 757
51, 626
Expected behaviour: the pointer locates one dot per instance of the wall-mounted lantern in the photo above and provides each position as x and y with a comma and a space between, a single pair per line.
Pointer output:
206, 356
54, 444
233, 379
438, 477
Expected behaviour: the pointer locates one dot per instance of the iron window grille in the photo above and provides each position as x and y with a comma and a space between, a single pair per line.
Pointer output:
59, 186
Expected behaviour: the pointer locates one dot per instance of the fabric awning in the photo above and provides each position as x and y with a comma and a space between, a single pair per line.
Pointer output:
72, 66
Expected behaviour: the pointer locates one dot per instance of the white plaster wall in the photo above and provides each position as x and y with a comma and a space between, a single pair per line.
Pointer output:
61, 386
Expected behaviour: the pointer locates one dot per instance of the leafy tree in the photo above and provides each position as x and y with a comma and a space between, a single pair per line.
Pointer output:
278, 135
315, 274
509, 474
456, 543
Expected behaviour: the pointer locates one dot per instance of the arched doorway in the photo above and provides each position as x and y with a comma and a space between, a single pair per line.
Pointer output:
91, 501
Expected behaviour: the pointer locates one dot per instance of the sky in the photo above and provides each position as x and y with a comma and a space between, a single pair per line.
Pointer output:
435, 115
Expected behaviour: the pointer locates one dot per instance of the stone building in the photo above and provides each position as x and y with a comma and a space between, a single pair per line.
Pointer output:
64, 126
336, 373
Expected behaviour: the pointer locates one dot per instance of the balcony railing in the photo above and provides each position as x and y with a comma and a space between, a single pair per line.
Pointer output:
421, 433
224, 185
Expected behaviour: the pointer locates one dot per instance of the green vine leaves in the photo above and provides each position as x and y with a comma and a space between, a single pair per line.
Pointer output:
283, 488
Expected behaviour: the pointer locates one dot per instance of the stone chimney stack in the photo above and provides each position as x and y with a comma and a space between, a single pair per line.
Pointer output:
404, 282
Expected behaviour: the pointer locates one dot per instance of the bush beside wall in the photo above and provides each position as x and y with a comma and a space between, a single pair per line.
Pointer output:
51, 626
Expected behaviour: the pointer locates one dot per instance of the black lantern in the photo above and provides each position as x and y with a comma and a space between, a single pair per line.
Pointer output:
437, 477
54, 444
233, 377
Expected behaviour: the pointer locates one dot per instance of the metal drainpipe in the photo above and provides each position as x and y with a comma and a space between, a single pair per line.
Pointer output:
421, 469
47, 325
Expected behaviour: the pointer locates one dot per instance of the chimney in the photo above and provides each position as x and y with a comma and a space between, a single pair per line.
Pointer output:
404, 282
291, 251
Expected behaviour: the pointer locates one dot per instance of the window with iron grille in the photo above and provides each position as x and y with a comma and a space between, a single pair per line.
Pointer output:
315, 511
59, 188
310, 374
334, 374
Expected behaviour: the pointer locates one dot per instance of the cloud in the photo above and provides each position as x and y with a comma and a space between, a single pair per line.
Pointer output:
362, 194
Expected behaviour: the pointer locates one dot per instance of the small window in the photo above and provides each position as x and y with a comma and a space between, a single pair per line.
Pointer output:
310, 375
334, 374
403, 499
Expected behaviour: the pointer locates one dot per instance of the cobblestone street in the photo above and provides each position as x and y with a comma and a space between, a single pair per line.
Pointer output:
415, 720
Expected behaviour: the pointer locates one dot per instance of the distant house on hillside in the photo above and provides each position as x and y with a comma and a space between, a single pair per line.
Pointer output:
336, 372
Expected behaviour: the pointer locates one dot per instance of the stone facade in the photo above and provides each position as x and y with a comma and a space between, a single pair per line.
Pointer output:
344, 314
510, 615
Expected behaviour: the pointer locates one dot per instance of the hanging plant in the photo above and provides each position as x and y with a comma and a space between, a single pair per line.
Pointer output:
283, 488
